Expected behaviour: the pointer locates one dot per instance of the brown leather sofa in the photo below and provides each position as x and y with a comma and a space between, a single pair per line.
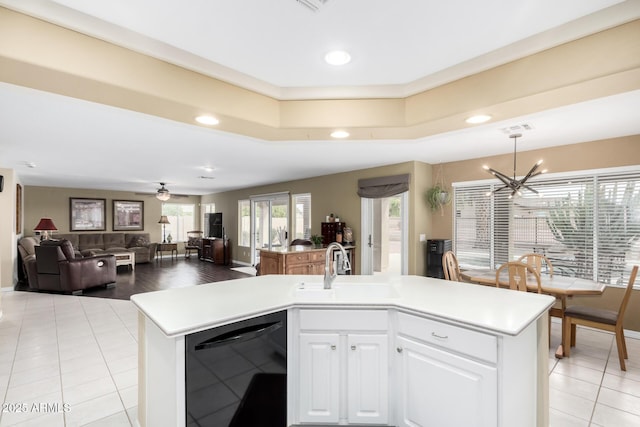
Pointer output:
56, 268
91, 244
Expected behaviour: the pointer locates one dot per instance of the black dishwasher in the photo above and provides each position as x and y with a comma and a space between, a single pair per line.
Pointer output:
236, 375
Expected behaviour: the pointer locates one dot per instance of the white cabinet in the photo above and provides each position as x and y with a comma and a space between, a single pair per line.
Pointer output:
319, 377
343, 367
439, 388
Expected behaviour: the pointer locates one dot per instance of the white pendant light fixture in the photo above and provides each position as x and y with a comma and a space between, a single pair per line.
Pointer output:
163, 193
513, 184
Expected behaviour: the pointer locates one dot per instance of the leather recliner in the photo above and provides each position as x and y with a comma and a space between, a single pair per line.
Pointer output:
56, 269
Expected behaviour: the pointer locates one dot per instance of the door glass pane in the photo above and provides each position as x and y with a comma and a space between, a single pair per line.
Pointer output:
261, 227
279, 219
387, 235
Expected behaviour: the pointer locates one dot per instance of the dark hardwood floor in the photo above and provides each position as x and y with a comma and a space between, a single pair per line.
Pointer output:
166, 274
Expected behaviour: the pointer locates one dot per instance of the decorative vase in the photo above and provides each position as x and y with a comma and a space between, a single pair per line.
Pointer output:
169, 238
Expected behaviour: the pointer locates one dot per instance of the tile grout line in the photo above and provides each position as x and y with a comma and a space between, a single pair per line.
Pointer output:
103, 358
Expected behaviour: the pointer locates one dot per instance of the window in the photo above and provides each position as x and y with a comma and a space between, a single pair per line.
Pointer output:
181, 220
244, 223
587, 224
301, 228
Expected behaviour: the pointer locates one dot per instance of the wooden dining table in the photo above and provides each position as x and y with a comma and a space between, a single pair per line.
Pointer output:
561, 287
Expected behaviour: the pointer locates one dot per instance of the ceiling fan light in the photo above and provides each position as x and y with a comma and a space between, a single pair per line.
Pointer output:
163, 196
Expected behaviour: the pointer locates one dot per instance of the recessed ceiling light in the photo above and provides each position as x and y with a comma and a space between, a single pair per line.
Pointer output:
208, 168
337, 57
480, 118
207, 120
340, 134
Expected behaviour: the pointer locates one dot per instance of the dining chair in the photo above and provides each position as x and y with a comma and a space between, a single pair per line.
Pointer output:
539, 262
519, 275
451, 267
599, 318
542, 265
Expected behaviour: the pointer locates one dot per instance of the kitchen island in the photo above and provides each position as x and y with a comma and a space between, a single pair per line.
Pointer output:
407, 350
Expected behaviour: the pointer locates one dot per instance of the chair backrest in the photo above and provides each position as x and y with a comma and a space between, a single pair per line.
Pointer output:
451, 267
627, 292
519, 275
539, 262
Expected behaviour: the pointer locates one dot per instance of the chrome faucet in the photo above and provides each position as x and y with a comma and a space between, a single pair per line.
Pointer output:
346, 266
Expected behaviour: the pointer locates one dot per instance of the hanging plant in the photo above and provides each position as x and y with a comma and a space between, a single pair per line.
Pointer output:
438, 197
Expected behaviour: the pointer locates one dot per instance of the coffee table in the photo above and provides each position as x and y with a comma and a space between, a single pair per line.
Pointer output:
126, 258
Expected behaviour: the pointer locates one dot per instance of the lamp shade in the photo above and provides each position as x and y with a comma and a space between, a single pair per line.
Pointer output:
45, 224
164, 220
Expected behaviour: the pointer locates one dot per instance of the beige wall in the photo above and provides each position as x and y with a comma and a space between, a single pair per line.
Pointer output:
53, 202
591, 155
337, 194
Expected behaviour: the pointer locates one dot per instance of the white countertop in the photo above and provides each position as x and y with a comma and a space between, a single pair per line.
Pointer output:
182, 311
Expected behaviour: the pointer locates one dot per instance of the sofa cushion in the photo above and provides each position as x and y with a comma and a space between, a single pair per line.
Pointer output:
29, 245
90, 241
138, 240
72, 237
113, 240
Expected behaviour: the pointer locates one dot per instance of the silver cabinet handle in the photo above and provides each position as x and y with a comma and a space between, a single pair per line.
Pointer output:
442, 337
399, 349
353, 347
333, 347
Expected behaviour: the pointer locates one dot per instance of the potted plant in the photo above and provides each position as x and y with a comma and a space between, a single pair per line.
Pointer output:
317, 240
437, 197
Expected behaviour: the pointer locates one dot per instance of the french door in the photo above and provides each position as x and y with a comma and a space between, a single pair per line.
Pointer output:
384, 236
269, 223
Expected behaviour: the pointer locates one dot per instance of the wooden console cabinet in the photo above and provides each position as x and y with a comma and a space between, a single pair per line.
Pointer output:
216, 251
306, 261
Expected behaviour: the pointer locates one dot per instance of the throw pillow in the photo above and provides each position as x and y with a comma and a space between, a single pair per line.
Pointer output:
194, 241
138, 241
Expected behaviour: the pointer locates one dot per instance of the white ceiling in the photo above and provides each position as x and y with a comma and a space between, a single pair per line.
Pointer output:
276, 47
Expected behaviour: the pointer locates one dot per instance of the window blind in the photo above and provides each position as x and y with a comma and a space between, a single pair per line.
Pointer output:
587, 224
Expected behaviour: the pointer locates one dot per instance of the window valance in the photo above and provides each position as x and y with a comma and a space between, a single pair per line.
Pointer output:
384, 186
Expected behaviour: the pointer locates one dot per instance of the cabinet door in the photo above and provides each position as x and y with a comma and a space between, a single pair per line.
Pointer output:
367, 384
438, 388
319, 378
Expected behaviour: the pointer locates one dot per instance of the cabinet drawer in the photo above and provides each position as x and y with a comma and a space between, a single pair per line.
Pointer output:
317, 256
461, 340
352, 320
301, 258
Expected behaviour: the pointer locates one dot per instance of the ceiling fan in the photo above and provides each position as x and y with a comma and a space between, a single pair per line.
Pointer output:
163, 193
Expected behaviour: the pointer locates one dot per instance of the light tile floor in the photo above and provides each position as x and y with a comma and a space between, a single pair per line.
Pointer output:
72, 361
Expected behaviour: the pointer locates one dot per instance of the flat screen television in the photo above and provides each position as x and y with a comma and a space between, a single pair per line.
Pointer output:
213, 225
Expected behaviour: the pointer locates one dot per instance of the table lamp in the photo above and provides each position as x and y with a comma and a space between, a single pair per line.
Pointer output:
164, 221
46, 225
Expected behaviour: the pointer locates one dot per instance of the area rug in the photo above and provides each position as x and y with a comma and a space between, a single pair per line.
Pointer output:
245, 270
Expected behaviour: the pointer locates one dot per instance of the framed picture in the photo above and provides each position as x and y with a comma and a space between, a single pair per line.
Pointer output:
18, 209
87, 214
128, 215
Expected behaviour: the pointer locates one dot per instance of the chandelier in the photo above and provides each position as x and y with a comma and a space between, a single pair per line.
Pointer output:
513, 184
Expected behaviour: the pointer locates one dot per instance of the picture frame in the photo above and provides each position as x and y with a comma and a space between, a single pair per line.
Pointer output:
87, 214
128, 215
18, 209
